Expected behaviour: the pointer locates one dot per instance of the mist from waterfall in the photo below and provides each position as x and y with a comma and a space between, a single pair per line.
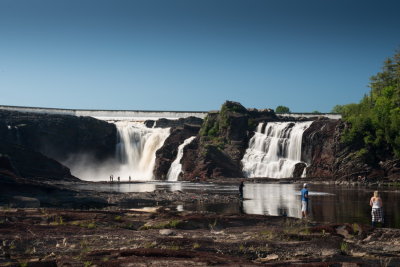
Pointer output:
176, 166
136, 149
274, 150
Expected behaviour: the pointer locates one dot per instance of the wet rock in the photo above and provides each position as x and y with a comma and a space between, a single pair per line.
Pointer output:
299, 169
318, 147
168, 152
167, 232
24, 202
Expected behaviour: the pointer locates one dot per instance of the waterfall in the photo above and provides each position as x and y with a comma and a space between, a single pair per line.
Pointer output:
136, 149
176, 166
274, 150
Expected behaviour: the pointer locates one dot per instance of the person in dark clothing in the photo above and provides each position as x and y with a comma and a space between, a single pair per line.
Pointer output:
241, 189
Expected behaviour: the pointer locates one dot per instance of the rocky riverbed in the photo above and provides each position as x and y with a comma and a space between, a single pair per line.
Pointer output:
165, 237
67, 226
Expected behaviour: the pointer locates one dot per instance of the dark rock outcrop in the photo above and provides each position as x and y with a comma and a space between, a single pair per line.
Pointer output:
166, 123
351, 162
319, 147
299, 169
59, 136
204, 162
391, 168
24, 162
168, 152
221, 144
24, 202
328, 156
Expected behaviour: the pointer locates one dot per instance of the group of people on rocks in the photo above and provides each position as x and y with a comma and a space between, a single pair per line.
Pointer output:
118, 179
375, 203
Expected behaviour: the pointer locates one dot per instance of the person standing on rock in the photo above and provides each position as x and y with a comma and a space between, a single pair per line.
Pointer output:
377, 211
304, 201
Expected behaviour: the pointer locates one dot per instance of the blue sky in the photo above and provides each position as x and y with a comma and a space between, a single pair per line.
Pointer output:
193, 55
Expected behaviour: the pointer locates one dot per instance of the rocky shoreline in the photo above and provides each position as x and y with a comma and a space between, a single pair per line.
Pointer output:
162, 237
120, 232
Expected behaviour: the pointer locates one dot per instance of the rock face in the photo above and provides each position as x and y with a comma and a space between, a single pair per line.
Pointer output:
222, 141
166, 123
319, 147
327, 156
204, 162
58, 136
24, 162
350, 162
168, 152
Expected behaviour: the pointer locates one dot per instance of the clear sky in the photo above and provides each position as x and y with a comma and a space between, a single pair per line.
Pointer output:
193, 54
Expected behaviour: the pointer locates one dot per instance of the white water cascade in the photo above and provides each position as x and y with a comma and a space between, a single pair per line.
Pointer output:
274, 150
176, 166
136, 149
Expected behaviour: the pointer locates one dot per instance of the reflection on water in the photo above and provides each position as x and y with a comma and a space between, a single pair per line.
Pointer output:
137, 187
275, 199
328, 203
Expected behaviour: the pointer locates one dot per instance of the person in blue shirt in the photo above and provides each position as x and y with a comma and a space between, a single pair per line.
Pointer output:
304, 201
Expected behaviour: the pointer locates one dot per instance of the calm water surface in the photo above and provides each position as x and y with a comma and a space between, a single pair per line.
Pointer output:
328, 203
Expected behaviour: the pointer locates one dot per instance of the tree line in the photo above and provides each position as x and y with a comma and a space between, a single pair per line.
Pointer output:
374, 123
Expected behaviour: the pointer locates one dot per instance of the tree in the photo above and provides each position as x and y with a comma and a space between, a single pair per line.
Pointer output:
375, 121
337, 109
282, 109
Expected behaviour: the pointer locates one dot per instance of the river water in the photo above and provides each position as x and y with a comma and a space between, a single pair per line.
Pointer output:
328, 203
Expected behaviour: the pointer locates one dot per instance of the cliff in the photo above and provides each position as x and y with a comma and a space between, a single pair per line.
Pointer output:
319, 147
59, 136
36, 143
222, 142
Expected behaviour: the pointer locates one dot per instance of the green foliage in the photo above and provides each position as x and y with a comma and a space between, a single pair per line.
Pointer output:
375, 121
344, 247
210, 126
91, 225
216, 125
337, 109
282, 109
316, 112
